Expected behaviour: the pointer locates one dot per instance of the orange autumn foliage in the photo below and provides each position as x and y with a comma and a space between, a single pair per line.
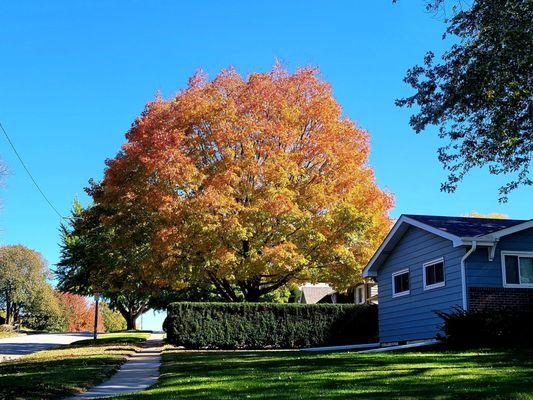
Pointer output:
249, 184
79, 313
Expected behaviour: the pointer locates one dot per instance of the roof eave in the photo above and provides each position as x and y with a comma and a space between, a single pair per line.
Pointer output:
375, 262
509, 231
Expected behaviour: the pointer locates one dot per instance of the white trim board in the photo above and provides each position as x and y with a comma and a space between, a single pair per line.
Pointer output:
402, 271
341, 348
403, 346
508, 231
429, 264
528, 254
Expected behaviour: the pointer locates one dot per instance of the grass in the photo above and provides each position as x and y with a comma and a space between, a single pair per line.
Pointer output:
53, 374
294, 375
8, 334
117, 337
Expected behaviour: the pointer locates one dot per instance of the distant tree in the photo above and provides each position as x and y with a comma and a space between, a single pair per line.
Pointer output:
23, 274
475, 214
480, 93
45, 311
113, 320
80, 313
247, 184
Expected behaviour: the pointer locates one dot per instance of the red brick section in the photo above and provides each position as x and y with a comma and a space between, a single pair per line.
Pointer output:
483, 299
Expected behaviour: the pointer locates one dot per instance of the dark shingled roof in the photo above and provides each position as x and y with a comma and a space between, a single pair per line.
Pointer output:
466, 226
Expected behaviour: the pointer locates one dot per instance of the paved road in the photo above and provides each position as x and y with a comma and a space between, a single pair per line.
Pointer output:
15, 347
139, 372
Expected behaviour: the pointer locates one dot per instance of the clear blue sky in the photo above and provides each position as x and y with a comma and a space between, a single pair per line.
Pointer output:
75, 74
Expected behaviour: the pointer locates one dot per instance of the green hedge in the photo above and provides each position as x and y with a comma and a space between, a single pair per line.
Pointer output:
494, 328
269, 325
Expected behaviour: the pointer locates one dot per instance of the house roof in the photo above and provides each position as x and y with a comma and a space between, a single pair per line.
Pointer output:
461, 231
466, 226
313, 294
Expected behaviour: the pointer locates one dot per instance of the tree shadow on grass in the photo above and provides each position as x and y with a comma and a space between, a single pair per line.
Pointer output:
292, 375
50, 379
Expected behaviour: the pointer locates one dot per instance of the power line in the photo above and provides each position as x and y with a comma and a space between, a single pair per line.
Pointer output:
29, 173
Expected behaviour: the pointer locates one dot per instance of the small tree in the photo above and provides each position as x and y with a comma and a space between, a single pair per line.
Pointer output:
79, 313
113, 320
45, 311
23, 274
89, 265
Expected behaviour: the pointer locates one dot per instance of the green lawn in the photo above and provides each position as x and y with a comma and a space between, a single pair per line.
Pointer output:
295, 375
52, 374
8, 334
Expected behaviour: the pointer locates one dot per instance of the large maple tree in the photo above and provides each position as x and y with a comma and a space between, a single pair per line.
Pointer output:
247, 183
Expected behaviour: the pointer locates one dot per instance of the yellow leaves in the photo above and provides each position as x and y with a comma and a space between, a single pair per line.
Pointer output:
475, 214
225, 256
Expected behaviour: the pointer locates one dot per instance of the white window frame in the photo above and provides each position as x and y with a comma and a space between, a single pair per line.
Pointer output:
359, 299
528, 254
401, 272
428, 264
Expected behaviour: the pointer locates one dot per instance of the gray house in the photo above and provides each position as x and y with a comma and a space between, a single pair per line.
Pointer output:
430, 263
365, 293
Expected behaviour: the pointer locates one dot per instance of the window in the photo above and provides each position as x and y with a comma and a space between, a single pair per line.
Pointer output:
517, 269
360, 295
434, 274
400, 283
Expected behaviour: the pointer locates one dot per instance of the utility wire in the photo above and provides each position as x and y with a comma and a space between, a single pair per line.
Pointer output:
29, 173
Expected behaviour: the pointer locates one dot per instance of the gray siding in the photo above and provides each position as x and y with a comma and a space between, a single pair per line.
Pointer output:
480, 272
412, 316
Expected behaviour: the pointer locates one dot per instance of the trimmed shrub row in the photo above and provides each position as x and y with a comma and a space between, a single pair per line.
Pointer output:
269, 325
500, 328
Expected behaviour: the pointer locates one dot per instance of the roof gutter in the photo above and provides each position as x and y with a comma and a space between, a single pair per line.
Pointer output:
479, 240
463, 272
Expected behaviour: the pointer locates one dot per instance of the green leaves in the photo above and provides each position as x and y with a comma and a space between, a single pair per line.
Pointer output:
267, 325
479, 95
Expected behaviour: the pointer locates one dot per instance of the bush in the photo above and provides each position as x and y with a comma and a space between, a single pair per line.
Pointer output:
113, 320
495, 328
268, 325
44, 312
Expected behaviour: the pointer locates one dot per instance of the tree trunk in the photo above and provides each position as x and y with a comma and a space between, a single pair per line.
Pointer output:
131, 312
252, 296
15, 311
131, 321
8, 308
254, 289
251, 291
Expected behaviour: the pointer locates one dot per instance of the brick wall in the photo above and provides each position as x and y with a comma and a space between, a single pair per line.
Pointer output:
482, 298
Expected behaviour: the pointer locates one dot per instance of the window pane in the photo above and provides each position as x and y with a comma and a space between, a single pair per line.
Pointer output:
434, 273
360, 297
430, 275
401, 283
397, 284
439, 272
526, 270
405, 282
511, 269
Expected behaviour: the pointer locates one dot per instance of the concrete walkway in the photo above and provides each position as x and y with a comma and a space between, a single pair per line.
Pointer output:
139, 372
16, 347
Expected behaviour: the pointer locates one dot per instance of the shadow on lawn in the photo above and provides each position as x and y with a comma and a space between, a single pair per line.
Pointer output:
292, 375
49, 379
107, 341
68, 370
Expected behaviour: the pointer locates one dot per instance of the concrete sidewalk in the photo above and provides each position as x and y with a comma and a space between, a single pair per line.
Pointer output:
16, 347
139, 372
